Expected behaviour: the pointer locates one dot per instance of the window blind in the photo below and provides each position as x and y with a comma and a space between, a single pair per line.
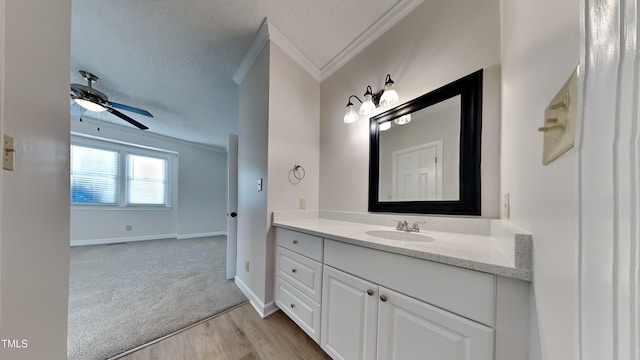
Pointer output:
146, 180
94, 175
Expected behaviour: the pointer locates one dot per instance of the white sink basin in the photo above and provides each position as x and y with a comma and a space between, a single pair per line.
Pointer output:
399, 235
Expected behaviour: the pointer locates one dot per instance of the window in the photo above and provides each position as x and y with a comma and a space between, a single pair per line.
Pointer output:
94, 175
118, 175
146, 180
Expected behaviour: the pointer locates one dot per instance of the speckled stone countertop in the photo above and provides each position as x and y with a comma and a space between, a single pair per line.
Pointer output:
480, 252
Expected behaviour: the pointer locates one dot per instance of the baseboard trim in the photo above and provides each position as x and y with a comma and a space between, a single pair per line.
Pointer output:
122, 239
201, 235
261, 308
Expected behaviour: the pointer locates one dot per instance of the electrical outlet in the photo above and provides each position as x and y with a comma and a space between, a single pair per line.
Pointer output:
507, 206
246, 265
303, 203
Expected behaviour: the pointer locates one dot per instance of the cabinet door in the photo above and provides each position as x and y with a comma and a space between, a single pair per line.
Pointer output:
412, 329
349, 316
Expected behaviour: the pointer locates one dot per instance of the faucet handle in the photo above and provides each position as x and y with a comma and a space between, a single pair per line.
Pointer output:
401, 224
398, 224
415, 227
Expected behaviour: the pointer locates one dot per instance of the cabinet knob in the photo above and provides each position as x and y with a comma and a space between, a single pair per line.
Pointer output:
295, 242
383, 298
294, 271
370, 292
293, 305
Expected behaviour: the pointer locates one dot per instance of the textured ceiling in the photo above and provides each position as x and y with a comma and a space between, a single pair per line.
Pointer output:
176, 59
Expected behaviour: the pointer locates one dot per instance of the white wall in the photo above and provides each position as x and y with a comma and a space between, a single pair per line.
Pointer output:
429, 48
198, 206
294, 121
278, 128
536, 61
253, 130
34, 222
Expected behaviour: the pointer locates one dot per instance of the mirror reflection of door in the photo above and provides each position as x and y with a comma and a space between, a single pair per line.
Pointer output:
418, 173
421, 174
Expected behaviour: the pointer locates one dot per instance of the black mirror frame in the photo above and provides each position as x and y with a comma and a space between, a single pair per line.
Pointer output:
470, 90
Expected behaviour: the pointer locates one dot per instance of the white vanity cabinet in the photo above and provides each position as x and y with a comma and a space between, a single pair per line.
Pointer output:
360, 303
349, 316
412, 329
361, 320
298, 278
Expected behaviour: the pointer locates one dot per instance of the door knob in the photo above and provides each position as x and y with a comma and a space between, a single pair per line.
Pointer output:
233, 214
383, 298
370, 292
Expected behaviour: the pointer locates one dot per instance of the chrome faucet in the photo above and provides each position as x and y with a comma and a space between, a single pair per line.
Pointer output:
403, 225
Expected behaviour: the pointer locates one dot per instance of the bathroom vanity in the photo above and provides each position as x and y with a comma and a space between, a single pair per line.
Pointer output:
366, 291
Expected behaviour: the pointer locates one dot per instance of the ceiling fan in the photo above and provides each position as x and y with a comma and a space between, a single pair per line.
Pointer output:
93, 100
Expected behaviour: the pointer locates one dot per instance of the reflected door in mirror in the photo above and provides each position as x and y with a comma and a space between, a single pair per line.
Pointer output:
419, 160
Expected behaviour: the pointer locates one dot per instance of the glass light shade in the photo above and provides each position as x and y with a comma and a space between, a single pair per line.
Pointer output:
91, 106
389, 96
367, 106
402, 120
350, 115
384, 126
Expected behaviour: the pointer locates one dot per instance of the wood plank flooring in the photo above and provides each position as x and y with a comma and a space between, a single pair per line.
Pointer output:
239, 334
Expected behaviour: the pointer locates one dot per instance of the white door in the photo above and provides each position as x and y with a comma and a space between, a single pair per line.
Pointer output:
412, 329
418, 173
232, 206
349, 316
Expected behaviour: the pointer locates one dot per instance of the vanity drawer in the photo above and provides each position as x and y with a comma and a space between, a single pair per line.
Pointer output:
304, 244
302, 272
301, 309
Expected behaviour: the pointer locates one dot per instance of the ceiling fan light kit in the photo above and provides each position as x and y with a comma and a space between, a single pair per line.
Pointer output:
93, 100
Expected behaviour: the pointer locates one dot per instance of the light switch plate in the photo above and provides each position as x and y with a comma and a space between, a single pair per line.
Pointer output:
260, 184
560, 121
8, 152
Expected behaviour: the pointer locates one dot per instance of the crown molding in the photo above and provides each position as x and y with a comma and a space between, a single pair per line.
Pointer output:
377, 29
293, 52
268, 31
261, 39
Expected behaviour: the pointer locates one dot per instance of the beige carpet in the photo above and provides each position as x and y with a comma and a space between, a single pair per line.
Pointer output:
122, 296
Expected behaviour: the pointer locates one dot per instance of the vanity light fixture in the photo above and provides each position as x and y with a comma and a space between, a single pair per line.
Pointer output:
385, 97
351, 115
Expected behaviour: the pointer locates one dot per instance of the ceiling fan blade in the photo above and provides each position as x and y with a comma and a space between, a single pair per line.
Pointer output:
130, 108
77, 110
126, 118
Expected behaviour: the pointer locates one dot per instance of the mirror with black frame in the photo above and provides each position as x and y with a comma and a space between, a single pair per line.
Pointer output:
425, 154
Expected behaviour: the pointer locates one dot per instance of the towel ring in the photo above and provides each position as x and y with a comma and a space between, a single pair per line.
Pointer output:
298, 172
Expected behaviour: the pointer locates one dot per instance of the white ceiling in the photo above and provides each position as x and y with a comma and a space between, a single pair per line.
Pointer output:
176, 59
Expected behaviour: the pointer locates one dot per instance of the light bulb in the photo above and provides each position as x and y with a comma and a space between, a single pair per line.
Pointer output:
350, 114
384, 126
389, 96
367, 106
